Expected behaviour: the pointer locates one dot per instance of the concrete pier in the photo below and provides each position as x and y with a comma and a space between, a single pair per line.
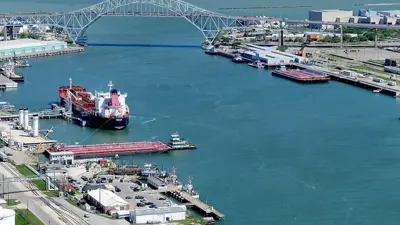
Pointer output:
7, 83
54, 52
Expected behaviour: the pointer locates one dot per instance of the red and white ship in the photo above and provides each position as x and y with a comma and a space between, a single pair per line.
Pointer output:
103, 110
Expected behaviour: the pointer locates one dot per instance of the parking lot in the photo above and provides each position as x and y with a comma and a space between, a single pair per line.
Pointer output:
130, 189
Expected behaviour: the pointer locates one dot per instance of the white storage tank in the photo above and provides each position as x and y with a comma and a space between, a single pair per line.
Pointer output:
26, 119
21, 117
35, 125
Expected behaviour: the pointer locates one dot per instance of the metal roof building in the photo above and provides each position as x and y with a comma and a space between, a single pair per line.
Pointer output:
160, 215
106, 200
22, 46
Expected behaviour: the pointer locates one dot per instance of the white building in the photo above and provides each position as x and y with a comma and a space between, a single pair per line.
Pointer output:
157, 182
106, 200
161, 215
329, 15
7, 216
64, 158
22, 46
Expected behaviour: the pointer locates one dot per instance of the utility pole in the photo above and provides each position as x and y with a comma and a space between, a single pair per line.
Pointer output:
3, 187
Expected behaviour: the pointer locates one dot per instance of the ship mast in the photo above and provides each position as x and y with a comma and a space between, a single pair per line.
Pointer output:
110, 84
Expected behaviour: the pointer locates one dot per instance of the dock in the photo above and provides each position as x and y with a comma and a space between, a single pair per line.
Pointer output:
53, 52
7, 83
363, 82
301, 76
42, 115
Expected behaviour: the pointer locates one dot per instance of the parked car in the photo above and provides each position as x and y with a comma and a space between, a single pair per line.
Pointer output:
162, 198
128, 197
139, 197
139, 204
153, 206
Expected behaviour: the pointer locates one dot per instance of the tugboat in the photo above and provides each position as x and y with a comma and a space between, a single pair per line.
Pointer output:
238, 59
178, 143
211, 51
8, 70
257, 64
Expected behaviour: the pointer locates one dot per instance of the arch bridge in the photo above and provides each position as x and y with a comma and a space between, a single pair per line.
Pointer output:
75, 23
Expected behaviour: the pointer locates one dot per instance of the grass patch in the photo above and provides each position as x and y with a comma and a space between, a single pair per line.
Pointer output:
72, 203
25, 171
51, 193
12, 202
282, 48
26, 217
368, 68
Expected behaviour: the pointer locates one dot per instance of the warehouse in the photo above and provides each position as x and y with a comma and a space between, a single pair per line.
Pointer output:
22, 46
106, 200
157, 182
270, 55
159, 215
330, 15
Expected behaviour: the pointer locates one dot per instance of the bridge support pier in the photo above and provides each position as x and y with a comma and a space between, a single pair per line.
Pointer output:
341, 36
280, 34
376, 38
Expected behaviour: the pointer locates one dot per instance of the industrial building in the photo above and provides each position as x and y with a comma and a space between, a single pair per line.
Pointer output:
159, 215
63, 158
269, 55
106, 200
22, 46
390, 13
330, 15
367, 13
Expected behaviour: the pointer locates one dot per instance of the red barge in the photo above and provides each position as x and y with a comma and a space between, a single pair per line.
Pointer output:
111, 150
302, 76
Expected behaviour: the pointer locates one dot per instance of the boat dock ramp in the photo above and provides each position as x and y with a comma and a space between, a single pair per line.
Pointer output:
378, 86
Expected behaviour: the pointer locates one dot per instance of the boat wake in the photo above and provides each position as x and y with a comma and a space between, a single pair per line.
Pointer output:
149, 121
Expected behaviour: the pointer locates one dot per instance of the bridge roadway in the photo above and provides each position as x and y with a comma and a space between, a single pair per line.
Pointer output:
243, 18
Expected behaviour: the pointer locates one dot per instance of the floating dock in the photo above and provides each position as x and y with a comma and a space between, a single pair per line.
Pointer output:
111, 150
301, 76
7, 83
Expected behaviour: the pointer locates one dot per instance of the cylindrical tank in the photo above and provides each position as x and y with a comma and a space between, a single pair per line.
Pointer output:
21, 117
35, 125
26, 119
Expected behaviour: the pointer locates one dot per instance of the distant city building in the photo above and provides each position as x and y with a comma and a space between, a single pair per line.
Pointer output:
367, 13
329, 15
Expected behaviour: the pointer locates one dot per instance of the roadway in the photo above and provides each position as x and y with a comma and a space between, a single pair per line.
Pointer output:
45, 208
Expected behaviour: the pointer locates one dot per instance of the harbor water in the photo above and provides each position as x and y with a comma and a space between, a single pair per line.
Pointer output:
270, 151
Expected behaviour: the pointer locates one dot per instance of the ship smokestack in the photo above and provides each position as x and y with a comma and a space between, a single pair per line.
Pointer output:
35, 125
21, 117
26, 119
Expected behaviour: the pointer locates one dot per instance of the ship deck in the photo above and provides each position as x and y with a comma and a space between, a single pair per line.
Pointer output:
113, 149
301, 76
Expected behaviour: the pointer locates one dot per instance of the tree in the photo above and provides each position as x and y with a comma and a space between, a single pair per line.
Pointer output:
300, 39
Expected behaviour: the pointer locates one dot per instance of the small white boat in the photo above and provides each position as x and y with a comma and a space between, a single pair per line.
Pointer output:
257, 64
377, 90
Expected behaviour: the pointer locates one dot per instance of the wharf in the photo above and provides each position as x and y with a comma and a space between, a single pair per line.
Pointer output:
190, 201
7, 83
42, 115
52, 52
364, 82
20, 138
301, 76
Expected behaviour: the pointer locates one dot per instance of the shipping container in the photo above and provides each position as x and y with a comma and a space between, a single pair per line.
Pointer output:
378, 80
313, 37
391, 69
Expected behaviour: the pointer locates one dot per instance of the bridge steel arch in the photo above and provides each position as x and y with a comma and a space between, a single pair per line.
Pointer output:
75, 23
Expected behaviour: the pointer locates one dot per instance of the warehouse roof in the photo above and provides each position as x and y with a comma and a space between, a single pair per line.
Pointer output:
158, 211
24, 43
107, 198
